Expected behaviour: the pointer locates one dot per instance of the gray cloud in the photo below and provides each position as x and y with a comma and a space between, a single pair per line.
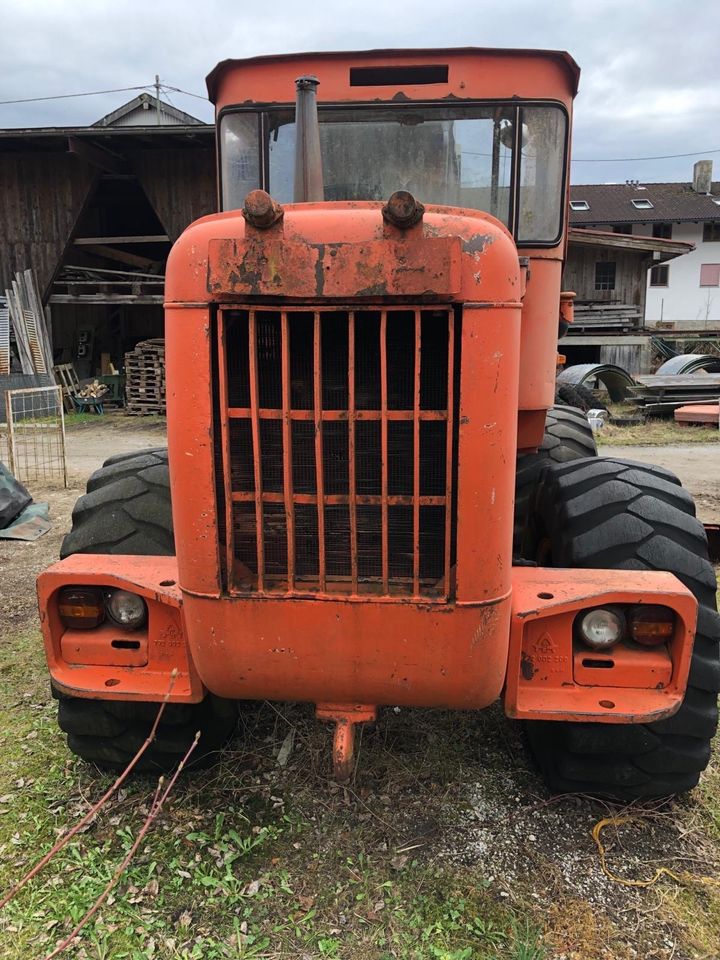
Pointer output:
649, 84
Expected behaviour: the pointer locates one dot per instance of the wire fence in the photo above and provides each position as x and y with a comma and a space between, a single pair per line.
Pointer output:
32, 440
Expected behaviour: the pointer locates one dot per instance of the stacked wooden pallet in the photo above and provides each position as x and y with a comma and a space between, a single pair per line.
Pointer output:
145, 378
605, 316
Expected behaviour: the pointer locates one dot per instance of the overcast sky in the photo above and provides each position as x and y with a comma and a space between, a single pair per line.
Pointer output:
650, 70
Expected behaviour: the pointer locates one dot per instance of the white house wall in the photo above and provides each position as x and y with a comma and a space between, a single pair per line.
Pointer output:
684, 301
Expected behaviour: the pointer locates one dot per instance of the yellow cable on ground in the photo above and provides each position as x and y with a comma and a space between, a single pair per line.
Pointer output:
683, 877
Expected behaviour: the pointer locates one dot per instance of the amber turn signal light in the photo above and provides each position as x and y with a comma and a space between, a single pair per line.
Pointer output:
651, 625
81, 608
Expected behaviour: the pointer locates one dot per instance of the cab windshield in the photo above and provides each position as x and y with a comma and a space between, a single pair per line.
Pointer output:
507, 160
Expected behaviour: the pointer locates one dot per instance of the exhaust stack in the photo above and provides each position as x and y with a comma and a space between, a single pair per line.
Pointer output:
308, 162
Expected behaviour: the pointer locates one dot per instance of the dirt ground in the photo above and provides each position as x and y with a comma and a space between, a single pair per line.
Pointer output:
481, 815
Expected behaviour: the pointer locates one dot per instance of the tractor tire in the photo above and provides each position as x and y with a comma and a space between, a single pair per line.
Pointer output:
108, 733
612, 514
579, 396
119, 457
568, 436
127, 511
568, 396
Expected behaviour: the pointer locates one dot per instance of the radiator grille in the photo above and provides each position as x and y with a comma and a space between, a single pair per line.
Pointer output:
337, 450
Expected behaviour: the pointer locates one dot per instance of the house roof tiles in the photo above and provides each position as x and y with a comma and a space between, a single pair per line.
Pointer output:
612, 203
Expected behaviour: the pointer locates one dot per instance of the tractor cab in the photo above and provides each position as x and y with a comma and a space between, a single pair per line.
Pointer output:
402, 121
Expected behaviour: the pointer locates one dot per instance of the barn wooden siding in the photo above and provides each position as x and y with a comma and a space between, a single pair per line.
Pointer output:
630, 274
42, 195
180, 184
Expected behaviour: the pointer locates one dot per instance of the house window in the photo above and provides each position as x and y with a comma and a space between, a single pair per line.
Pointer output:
642, 204
662, 231
710, 275
605, 275
659, 275
711, 231
579, 205
622, 228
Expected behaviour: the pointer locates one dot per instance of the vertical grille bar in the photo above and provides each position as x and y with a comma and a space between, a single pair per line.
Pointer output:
384, 450
416, 458
287, 451
225, 434
257, 462
449, 441
319, 471
352, 478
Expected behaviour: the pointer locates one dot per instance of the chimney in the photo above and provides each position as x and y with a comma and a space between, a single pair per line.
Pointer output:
702, 176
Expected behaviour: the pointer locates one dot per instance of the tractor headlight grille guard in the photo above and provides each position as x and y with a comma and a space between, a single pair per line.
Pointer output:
337, 440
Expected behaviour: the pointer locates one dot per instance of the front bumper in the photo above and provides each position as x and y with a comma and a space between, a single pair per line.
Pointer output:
368, 653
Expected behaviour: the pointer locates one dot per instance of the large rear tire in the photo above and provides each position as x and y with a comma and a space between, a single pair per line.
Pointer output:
127, 510
568, 436
614, 514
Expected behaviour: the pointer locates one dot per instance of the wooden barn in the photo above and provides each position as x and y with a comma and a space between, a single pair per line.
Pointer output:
94, 211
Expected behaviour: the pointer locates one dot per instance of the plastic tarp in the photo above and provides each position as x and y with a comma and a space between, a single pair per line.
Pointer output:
13, 497
20, 518
32, 523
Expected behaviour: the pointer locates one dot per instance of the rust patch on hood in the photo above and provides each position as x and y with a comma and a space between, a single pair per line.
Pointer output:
372, 268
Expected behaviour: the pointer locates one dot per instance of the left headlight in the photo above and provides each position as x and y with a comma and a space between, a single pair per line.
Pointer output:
601, 628
128, 610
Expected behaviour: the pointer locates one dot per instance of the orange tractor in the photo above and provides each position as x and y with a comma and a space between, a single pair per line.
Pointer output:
373, 501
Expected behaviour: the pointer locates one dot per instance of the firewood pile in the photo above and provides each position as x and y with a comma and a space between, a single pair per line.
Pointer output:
145, 378
92, 391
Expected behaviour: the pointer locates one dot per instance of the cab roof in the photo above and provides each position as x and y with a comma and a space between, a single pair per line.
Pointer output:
415, 69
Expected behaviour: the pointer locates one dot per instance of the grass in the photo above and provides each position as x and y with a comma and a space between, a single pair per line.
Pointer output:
654, 433
114, 418
246, 861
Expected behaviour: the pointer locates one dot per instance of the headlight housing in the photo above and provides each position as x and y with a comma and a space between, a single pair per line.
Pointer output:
127, 610
601, 628
81, 608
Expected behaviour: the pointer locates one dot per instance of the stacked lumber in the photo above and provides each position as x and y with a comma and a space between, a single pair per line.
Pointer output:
29, 327
659, 394
4, 338
604, 316
145, 378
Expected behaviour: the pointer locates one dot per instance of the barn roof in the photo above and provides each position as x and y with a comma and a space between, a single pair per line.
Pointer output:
144, 106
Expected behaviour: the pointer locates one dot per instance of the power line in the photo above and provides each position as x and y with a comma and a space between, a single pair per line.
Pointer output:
668, 156
68, 96
197, 96
186, 92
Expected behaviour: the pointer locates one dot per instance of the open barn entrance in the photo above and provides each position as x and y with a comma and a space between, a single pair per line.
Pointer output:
107, 292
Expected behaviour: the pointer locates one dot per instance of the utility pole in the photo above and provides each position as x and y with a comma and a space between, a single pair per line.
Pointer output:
157, 99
